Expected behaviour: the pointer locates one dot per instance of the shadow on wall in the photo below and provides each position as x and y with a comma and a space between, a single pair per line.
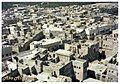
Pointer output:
101, 56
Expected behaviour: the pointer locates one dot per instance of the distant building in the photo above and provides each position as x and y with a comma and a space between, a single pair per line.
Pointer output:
112, 73
6, 52
50, 44
64, 55
80, 69
106, 73
89, 50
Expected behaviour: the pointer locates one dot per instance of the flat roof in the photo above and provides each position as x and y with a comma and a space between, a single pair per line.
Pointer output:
98, 68
46, 41
91, 80
44, 77
53, 67
78, 61
115, 31
64, 52
27, 54
89, 43
112, 66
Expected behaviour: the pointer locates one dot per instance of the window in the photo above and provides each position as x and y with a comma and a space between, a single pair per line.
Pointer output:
79, 46
54, 55
103, 76
94, 50
2, 55
50, 56
98, 76
36, 46
10, 53
65, 80
6, 54
74, 66
21, 61
79, 67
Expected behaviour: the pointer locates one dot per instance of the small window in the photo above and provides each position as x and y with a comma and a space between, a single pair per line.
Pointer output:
36, 46
50, 56
6, 54
2, 55
74, 66
79, 67
54, 55
103, 76
94, 50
